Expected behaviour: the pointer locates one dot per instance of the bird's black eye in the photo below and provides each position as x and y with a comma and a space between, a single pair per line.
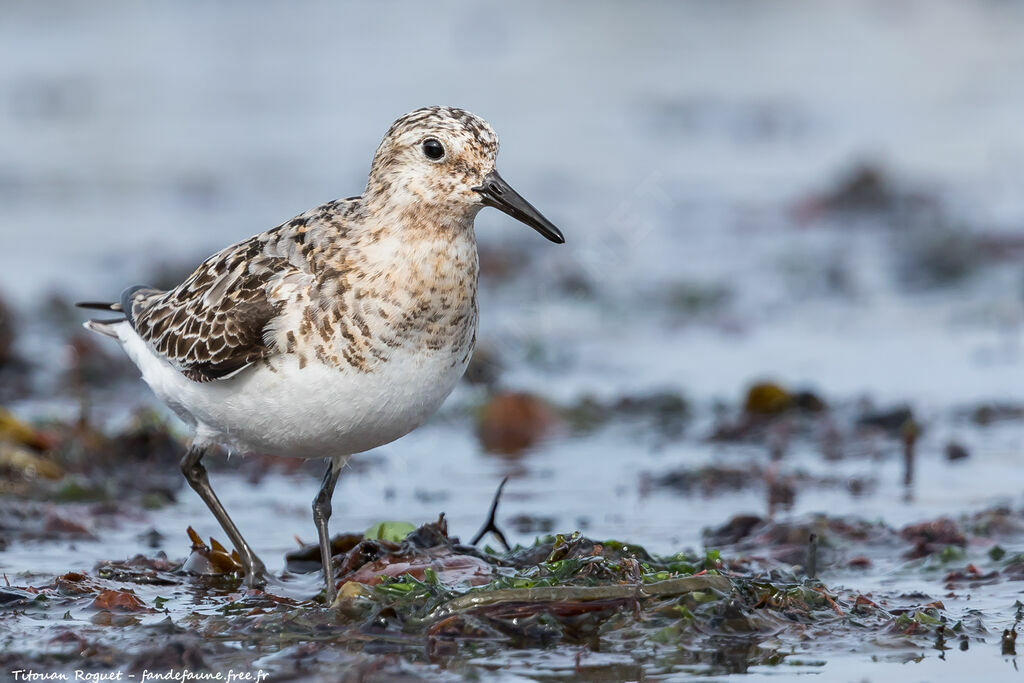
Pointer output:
433, 149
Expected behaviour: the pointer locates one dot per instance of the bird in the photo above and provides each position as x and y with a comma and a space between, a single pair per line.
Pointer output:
336, 332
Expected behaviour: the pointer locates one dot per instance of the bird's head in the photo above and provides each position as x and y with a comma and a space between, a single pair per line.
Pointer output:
442, 160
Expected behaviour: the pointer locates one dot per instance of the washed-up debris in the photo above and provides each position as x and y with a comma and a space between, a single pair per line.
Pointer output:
119, 601
972, 576
15, 597
7, 327
930, 247
710, 479
780, 486
769, 412
550, 586
389, 531
781, 491
91, 365
867, 190
15, 371
448, 568
76, 584
511, 423
485, 367
211, 560
932, 537
694, 298
17, 462
501, 262
184, 652
890, 420
939, 255
845, 543
956, 451
29, 521
307, 557
767, 398
141, 569
75, 463
605, 596
532, 524
58, 526
15, 431
733, 531
665, 412
988, 413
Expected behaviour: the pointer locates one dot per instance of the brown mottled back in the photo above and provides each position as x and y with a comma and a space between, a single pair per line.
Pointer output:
348, 283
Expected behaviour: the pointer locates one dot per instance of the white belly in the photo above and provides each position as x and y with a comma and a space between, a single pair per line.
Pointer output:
313, 412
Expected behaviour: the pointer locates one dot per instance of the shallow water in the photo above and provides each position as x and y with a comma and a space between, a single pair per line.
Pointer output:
674, 144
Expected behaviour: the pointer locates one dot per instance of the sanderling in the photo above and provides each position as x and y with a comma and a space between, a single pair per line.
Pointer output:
338, 331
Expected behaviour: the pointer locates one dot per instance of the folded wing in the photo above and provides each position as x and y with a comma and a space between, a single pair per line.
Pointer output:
214, 324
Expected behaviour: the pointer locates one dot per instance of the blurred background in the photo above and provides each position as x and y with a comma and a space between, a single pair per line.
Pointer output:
795, 249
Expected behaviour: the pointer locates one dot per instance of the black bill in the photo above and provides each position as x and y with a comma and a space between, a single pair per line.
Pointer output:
499, 194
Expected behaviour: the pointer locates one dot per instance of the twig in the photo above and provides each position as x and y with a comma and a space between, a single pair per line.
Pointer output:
828, 598
490, 525
812, 556
669, 587
910, 433
1009, 641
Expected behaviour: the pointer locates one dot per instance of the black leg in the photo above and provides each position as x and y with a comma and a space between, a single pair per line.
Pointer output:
322, 513
195, 474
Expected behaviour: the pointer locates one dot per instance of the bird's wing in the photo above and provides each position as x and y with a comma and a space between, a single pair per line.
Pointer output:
214, 324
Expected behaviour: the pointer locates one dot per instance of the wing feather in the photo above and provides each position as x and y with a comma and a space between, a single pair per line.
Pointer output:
224, 317
213, 324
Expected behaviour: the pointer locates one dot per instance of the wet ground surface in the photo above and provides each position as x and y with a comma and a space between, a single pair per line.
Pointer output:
764, 557
789, 305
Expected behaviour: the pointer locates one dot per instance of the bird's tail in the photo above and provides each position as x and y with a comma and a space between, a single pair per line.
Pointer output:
124, 307
104, 327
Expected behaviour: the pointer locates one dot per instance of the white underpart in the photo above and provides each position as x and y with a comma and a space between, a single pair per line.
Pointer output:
311, 412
